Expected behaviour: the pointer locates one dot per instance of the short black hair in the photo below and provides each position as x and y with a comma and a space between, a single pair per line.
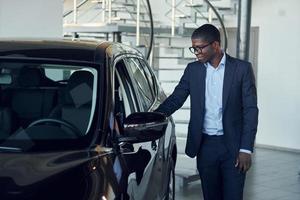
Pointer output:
207, 32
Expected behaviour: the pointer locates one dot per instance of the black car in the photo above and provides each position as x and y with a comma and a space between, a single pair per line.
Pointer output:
77, 123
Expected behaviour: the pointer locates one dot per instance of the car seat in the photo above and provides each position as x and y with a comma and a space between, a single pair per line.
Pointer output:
5, 122
27, 99
75, 106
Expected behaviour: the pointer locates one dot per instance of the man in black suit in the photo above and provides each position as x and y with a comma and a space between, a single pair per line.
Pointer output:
224, 115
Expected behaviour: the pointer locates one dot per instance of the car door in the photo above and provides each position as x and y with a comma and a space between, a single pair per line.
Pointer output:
134, 155
150, 185
167, 149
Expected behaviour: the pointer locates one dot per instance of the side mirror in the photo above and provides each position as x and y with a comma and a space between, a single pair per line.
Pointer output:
143, 127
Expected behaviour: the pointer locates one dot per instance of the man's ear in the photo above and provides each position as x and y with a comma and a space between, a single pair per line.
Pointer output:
216, 45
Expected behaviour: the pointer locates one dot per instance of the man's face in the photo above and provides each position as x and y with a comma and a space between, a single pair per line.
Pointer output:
204, 50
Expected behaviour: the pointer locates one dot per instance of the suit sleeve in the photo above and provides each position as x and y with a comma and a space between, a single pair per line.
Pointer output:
178, 97
250, 110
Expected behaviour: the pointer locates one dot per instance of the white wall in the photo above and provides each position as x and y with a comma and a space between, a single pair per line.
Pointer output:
159, 9
278, 72
31, 18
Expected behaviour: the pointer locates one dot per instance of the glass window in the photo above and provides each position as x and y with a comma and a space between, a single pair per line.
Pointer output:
124, 91
149, 76
144, 90
46, 102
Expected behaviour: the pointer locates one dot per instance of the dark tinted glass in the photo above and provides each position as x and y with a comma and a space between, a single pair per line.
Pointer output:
45, 102
144, 90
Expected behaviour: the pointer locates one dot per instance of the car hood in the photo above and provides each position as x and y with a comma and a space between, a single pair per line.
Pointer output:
20, 171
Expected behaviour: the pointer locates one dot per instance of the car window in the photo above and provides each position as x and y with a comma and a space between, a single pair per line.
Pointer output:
149, 76
57, 74
124, 89
47, 101
144, 89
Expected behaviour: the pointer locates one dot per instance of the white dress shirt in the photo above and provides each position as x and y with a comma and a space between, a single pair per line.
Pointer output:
213, 99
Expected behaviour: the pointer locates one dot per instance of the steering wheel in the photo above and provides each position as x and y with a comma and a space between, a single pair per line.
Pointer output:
66, 124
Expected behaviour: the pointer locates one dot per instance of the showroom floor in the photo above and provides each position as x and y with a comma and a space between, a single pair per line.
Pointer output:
274, 175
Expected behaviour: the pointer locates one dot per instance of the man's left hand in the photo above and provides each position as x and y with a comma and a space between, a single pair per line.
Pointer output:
243, 162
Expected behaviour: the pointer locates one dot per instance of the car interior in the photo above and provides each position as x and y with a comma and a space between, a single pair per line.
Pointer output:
31, 93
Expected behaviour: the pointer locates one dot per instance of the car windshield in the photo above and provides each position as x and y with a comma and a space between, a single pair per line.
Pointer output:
45, 104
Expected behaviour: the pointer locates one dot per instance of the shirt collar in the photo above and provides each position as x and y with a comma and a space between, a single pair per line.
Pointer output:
221, 64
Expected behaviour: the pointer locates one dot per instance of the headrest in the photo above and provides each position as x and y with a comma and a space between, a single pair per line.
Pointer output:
30, 77
80, 77
79, 89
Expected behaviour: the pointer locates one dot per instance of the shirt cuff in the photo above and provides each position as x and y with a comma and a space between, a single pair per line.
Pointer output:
245, 151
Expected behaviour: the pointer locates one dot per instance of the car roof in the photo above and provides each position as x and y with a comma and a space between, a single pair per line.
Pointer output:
66, 50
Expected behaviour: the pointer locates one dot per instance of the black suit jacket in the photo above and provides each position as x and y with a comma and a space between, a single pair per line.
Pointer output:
239, 104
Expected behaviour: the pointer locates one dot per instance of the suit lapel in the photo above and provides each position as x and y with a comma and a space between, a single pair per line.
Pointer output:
202, 85
200, 76
230, 68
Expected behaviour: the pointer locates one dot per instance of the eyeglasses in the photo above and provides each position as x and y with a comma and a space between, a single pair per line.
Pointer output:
199, 49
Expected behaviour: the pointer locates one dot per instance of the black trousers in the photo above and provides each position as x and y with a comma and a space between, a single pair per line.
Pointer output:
220, 179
